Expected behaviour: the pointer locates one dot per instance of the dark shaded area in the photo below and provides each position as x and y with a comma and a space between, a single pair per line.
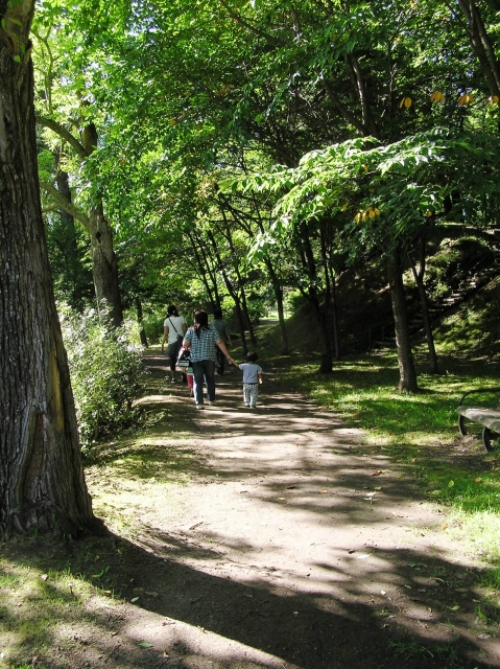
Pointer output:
414, 609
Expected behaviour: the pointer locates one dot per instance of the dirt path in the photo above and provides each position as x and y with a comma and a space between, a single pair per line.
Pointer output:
290, 544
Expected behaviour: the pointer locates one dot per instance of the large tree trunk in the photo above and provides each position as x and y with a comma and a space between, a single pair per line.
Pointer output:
407, 375
42, 484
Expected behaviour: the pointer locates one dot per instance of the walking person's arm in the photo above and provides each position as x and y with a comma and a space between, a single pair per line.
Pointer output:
223, 348
165, 336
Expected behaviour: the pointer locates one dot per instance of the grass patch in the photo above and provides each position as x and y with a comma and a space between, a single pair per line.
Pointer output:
420, 431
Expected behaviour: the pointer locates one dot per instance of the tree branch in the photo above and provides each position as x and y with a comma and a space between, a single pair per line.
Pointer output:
482, 45
63, 203
247, 25
346, 114
63, 134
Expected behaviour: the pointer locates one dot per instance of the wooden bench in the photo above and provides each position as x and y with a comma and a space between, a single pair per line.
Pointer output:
488, 417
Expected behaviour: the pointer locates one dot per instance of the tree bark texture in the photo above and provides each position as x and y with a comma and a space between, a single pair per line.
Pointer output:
407, 375
42, 483
105, 267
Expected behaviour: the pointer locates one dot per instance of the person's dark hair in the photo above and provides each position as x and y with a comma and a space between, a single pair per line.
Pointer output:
172, 311
217, 314
200, 322
252, 357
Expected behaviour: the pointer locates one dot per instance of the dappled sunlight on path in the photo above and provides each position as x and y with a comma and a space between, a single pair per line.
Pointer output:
293, 543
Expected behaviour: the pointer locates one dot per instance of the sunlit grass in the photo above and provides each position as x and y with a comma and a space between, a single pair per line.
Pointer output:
420, 430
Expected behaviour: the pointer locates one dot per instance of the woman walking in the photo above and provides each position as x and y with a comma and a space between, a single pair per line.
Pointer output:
174, 329
202, 339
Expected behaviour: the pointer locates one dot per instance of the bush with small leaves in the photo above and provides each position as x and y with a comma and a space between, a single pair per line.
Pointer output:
106, 373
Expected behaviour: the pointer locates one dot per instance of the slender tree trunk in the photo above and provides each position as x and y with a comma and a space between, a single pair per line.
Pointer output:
281, 318
204, 269
418, 274
42, 483
330, 288
278, 293
310, 270
248, 320
407, 375
140, 320
335, 320
243, 297
105, 267
69, 244
482, 45
232, 292
326, 366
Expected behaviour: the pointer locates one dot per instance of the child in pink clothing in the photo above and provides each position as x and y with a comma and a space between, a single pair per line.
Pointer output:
252, 377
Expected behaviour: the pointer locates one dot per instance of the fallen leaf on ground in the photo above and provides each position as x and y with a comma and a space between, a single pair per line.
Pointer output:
377, 473
145, 644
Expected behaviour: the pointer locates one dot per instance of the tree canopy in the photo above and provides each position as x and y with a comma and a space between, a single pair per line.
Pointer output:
235, 141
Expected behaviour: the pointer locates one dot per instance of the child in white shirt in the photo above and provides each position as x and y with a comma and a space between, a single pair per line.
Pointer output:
252, 377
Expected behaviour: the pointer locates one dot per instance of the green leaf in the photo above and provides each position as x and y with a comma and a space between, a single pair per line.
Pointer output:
145, 644
17, 58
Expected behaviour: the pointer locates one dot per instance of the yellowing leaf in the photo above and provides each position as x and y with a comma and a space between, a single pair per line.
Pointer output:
493, 100
437, 96
345, 206
406, 102
466, 99
173, 121
478, 480
377, 211
451, 484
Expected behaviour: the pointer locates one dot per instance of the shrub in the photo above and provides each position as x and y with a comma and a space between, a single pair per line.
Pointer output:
106, 373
